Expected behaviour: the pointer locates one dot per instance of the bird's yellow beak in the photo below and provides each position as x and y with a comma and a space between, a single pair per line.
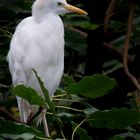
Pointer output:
74, 9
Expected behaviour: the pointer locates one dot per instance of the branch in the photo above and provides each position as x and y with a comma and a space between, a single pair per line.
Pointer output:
109, 12
32, 117
116, 53
126, 46
84, 34
8, 116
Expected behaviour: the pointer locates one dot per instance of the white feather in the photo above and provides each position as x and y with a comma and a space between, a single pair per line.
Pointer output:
38, 46
38, 43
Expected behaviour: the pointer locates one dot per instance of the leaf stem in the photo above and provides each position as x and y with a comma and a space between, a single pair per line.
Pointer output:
72, 138
62, 95
65, 107
126, 46
66, 100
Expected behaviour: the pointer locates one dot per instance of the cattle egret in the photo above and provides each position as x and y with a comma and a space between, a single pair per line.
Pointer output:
38, 43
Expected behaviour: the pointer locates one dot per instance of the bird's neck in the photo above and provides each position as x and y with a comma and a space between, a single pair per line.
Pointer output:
41, 17
39, 12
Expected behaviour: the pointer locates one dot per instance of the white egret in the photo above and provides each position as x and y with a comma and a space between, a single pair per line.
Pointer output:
38, 43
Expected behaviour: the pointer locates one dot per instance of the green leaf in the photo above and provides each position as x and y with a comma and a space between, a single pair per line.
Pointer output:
87, 25
41, 138
117, 25
83, 135
10, 127
131, 134
67, 80
114, 118
25, 136
64, 114
29, 94
80, 21
75, 41
116, 138
90, 110
92, 86
48, 100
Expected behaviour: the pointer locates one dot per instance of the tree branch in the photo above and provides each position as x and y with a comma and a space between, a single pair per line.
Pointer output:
126, 46
116, 53
32, 117
8, 116
108, 13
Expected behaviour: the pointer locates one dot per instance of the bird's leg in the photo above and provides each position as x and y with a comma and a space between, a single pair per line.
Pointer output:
43, 119
43, 114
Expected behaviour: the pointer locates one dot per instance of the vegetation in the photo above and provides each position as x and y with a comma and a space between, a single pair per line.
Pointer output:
98, 97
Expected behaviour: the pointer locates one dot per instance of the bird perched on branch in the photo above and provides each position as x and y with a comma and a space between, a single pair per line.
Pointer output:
38, 43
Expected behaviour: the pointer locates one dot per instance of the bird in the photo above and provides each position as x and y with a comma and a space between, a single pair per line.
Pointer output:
38, 43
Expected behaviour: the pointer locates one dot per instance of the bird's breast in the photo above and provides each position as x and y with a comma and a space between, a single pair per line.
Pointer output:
44, 43
39, 46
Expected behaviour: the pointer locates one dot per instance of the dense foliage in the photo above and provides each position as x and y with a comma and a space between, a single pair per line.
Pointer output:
87, 105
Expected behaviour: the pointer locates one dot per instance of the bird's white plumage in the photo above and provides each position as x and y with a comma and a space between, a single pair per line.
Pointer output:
33, 47
38, 43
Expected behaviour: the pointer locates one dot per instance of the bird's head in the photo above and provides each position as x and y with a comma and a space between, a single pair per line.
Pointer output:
56, 7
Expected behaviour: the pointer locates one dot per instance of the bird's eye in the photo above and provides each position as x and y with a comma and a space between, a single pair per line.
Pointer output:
59, 4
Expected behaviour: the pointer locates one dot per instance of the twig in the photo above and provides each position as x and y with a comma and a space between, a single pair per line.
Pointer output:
126, 46
69, 108
32, 117
3, 86
65, 100
58, 96
116, 52
8, 116
72, 138
82, 33
109, 12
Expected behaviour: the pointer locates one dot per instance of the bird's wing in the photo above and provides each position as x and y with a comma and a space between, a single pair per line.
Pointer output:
38, 46
24, 51
16, 57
